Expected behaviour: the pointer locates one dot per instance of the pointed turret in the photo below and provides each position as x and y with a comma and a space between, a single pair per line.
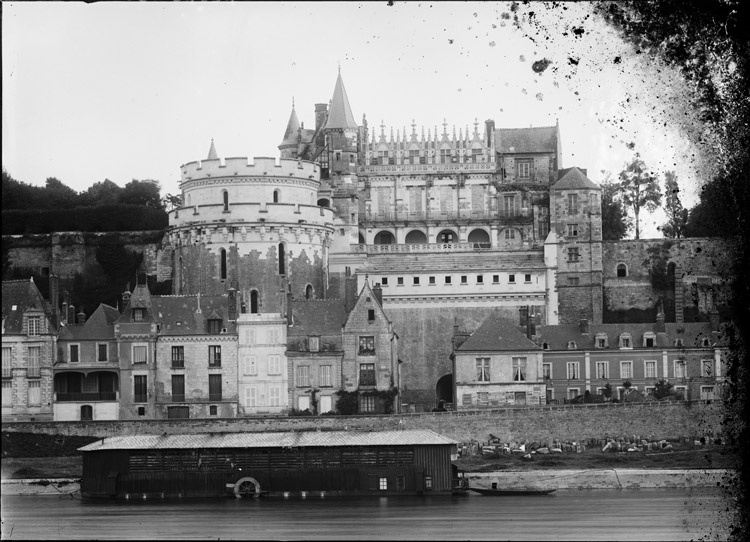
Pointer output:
340, 113
212, 155
292, 130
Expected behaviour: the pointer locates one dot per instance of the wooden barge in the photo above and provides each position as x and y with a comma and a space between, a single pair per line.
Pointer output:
289, 464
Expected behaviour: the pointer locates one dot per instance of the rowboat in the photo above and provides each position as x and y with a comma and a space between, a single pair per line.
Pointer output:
494, 492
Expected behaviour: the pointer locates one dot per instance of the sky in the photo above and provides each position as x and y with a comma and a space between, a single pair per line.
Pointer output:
132, 90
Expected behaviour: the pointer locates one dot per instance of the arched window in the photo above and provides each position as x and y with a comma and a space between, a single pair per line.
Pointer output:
323, 203
479, 237
447, 236
87, 413
361, 239
254, 302
416, 237
275, 196
282, 259
622, 270
223, 264
225, 194
308, 291
384, 238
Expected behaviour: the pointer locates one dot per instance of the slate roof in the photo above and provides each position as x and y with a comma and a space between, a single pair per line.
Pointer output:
691, 333
100, 326
496, 334
453, 262
340, 113
177, 314
290, 135
318, 317
212, 154
270, 440
575, 179
23, 295
524, 140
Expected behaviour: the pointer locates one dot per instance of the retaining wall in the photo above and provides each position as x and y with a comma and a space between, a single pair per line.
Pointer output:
544, 423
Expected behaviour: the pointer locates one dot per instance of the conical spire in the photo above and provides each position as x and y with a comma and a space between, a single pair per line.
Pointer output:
292, 129
212, 155
339, 112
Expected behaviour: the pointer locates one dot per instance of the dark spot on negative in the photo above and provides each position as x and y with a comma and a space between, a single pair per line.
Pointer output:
540, 65
578, 31
573, 61
617, 60
631, 145
450, 41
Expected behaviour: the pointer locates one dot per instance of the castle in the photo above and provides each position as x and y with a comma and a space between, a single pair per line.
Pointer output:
353, 262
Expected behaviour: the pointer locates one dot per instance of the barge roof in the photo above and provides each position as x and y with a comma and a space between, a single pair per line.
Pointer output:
269, 440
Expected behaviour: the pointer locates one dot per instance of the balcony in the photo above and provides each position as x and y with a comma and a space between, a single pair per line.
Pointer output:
506, 215
89, 396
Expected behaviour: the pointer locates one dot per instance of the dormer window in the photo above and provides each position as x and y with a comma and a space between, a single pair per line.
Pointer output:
314, 343
705, 343
545, 346
572, 345
626, 340
139, 314
649, 340
214, 326
34, 324
601, 340
678, 343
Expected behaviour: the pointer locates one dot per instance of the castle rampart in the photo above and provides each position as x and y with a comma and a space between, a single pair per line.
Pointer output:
259, 167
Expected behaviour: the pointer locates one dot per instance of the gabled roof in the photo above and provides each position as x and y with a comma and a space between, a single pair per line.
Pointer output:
178, 314
317, 317
496, 334
575, 179
270, 440
340, 113
292, 127
19, 296
362, 301
100, 326
691, 333
525, 140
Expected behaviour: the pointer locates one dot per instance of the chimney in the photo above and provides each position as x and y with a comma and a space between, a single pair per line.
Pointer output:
523, 315
584, 326
71, 314
713, 317
660, 320
350, 293
378, 292
126, 296
54, 298
64, 315
489, 127
232, 304
81, 318
530, 325
321, 111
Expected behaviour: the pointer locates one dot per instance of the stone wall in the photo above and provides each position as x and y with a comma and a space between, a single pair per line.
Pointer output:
578, 422
693, 273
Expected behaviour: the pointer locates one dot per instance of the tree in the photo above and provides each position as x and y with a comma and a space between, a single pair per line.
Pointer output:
662, 389
103, 193
712, 216
639, 189
677, 216
144, 193
615, 220
170, 202
59, 195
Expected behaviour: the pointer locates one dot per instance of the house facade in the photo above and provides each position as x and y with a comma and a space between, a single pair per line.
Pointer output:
497, 366
29, 343
87, 367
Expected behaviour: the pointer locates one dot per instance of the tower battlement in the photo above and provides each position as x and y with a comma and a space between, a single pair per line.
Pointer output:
243, 166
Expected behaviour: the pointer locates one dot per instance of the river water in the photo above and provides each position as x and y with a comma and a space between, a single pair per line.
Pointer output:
646, 514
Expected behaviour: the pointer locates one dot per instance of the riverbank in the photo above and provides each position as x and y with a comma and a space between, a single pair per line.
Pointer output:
618, 479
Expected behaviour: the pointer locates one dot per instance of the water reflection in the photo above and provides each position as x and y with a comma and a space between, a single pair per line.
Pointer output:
659, 514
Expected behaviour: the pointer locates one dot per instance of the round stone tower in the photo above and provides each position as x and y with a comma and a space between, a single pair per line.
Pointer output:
251, 226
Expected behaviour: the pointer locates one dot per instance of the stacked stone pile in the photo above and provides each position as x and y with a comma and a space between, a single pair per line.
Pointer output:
631, 443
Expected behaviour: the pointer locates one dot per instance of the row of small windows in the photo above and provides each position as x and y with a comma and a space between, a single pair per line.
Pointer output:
625, 341
448, 279
415, 237
650, 369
